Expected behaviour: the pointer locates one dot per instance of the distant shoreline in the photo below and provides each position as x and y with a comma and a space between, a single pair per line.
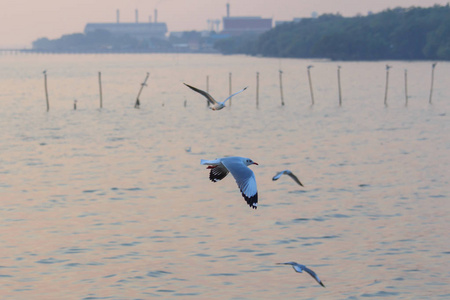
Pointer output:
32, 51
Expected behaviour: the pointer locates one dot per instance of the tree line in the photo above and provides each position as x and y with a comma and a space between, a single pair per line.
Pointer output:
402, 33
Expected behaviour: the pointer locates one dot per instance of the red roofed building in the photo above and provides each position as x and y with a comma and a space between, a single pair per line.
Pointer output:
242, 25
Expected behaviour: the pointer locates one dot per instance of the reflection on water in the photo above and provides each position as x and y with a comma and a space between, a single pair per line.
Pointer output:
109, 204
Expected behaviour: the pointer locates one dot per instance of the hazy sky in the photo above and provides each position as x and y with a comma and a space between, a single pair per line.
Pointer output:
23, 21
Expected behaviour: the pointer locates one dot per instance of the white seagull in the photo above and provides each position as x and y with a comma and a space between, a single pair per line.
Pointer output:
215, 105
289, 173
300, 268
237, 166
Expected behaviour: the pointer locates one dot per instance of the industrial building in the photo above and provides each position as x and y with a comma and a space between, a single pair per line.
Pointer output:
243, 25
140, 31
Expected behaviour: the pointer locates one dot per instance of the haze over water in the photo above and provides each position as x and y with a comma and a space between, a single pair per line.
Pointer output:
108, 204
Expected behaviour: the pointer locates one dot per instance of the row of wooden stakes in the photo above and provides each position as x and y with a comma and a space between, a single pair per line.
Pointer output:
143, 84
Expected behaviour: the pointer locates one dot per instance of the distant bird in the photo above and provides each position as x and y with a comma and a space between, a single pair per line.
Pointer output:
289, 173
309, 67
215, 105
388, 67
187, 149
300, 268
238, 167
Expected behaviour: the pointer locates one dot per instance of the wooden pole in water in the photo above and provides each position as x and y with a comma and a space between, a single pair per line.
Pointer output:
100, 88
207, 89
46, 90
432, 80
229, 81
257, 89
310, 85
406, 87
75, 104
281, 87
339, 85
387, 84
138, 103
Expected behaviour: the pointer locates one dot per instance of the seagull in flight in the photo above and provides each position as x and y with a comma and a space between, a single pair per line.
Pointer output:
300, 268
215, 105
289, 173
238, 167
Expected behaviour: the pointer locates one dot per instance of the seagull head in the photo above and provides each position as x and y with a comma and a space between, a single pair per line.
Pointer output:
248, 162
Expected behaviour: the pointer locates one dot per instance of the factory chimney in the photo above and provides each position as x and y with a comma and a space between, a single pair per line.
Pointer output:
137, 16
156, 16
118, 16
228, 10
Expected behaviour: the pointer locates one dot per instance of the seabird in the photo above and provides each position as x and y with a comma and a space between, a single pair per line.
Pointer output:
238, 167
289, 173
215, 105
300, 268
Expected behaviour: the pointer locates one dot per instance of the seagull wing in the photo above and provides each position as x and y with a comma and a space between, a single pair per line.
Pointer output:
218, 173
277, 176
234, 94
294, 177
245, 179
314, 275
205, 94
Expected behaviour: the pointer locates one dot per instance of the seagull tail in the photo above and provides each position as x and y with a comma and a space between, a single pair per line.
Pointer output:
209, 162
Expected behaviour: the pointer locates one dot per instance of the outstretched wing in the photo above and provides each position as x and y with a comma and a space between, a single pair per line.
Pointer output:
205, 94
277, 176
313, 275
218, 173
234, 94
294, 177
245, 179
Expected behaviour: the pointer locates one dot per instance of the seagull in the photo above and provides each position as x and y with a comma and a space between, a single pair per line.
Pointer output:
215, 105
309, 67
287, 172
238, 167
300, 268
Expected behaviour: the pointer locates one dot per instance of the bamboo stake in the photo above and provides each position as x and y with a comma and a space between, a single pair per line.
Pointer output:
432, 80
257, 89
46, 90
339, 85
406, 87
138, 103
281, 87
229, 81
207, 89
310, 85
75, 104
100, 88
387, 84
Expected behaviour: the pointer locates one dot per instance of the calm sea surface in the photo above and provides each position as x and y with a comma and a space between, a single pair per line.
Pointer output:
110, 204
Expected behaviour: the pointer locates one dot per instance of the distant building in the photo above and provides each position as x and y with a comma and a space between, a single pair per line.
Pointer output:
140, 31
242, 25
295, 20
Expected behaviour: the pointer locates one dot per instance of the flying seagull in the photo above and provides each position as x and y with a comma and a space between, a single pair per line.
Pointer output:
215, 105
300, 268
238, 167
287, 172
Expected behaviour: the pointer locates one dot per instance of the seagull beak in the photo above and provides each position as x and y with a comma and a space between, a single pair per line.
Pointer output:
255, 163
